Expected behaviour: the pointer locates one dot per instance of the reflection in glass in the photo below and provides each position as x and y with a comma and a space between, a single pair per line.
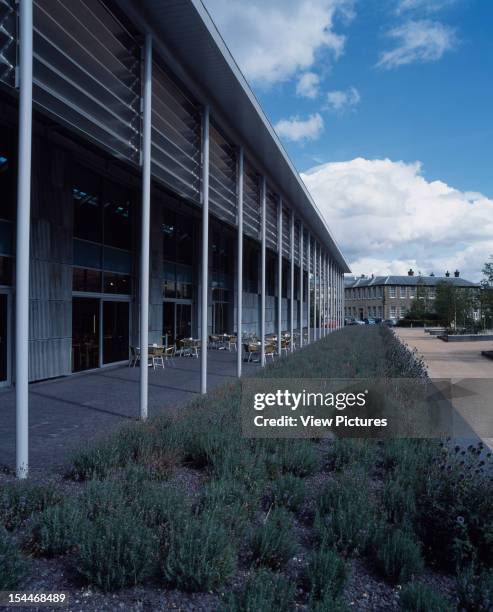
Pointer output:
115, 331
85, 334
3, 337
86, 280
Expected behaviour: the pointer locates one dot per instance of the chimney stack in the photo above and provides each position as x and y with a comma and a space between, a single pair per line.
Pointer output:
410, 272
457, 274
447, 273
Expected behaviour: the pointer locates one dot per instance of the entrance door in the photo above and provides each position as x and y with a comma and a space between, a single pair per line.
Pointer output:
220, 318
177, 321
115, 331
3, 338
183, 321
169, 323
85, 334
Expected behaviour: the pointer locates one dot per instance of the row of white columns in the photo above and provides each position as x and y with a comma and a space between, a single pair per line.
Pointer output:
331, 276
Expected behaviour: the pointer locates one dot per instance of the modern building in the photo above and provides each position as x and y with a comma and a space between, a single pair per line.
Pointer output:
392, 297
144, 195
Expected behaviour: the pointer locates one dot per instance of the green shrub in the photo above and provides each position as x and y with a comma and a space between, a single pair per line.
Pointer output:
102, 497
54, 531
200, 555
346, 452
97, 461
475, 590
398, 501
396, 555
264, 591
455, 508
345, 513
20, 499
298, 457
157, 506
13, 566
115, 551
325, 574
273, 542
288, 491
418, 597
328, 604
231, 502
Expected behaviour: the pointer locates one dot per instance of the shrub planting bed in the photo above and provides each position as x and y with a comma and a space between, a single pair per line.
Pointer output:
184, 513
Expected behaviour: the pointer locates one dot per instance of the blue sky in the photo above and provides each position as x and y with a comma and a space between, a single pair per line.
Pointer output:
385, 106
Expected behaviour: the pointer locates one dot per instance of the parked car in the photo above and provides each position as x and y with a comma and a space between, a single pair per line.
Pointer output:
389, 322
369, 321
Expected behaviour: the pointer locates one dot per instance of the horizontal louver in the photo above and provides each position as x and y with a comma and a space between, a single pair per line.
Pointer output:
286, 233
297, 242
8, 35
86, 72
222, 177
251, 203
175, 136
271, 220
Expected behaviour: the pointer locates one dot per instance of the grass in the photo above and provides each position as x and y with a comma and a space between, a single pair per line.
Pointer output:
269, 524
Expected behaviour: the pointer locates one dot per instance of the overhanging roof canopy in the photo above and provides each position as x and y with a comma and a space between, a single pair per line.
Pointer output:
189, 41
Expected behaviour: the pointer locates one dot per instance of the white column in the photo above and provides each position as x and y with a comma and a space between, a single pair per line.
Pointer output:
308, 305
239, 268
263, 255
301, 284
145, 227
279, 275
315, 291
332, 293
204, 302
291, 310
324, 318
22, 238
327, 303
320, 276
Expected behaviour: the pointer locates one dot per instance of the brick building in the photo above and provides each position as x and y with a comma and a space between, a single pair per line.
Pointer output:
391, 297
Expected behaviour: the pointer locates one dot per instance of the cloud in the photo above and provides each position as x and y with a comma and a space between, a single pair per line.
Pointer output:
343, 100
295, 129
387, 218
417, 41
273, 40
308, 85
427, 6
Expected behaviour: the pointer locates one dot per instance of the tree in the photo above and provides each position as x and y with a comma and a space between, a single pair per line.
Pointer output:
455, 305
486, 294
420, 308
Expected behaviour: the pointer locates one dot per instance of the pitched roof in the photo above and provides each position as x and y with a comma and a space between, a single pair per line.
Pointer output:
410, 281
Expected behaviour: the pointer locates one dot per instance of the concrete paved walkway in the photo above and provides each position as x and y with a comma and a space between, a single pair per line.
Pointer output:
471, 373
67, 412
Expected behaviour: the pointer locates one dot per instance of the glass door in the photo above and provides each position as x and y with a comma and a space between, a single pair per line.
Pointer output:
115, 331
183, 321
85, 334
177, 321
4, 354
169, 337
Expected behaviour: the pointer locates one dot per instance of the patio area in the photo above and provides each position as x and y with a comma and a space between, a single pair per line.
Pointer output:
67, 412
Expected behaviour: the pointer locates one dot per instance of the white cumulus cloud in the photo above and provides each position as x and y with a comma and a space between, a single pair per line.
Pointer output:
308, 85
343, 100
296, 129
387, 218
273, 40
426, 6
417, 41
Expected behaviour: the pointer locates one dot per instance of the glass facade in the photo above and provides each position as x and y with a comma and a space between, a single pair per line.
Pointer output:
102, 234
223, 257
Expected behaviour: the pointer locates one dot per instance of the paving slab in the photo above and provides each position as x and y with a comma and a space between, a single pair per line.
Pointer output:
66, 413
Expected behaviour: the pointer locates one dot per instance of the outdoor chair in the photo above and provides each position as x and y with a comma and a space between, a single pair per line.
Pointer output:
231, 343
157, 356
270, 351
169, 355
134, 356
